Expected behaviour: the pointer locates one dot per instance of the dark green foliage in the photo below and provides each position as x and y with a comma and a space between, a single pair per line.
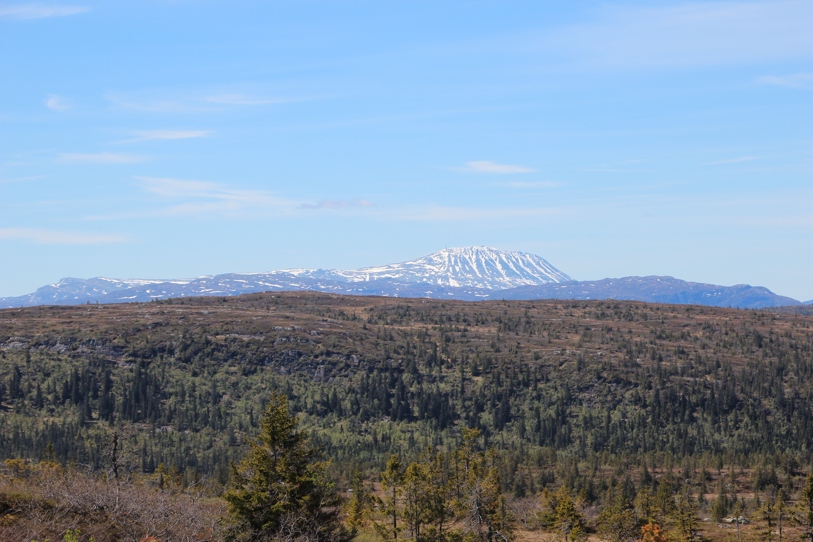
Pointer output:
617, 521
598, 382
278, 491
684, 516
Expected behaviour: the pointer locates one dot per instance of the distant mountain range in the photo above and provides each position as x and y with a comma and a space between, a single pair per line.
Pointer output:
471, 273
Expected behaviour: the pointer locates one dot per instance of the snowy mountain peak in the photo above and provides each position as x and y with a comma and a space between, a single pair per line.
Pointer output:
473, 267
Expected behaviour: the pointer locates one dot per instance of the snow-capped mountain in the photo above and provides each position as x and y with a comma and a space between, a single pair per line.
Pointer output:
471, 273
474, 267
459, 273
69, 291
469, 267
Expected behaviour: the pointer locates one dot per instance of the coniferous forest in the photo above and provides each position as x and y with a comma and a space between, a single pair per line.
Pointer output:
604, 419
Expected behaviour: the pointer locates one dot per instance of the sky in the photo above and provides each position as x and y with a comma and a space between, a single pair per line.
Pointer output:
180, 138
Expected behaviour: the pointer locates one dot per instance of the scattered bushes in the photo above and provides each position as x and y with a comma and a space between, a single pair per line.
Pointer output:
45, 501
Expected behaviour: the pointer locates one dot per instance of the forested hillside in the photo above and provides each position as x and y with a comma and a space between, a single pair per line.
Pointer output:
570, 393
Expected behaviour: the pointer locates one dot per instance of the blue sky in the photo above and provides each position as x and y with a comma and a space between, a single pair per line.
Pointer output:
163, 139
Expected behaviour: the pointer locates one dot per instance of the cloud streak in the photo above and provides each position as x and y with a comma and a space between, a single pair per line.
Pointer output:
167, 135
530, 184
241, 99
53, 237
204, 197
174, 102
210, 199
445, 213
337, 204
486, 166
57, 103
110, 158
803, 81
22, 179
39, 11
736, 160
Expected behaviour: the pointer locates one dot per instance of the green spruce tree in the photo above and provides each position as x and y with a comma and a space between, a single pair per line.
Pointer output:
279, 491
804, 510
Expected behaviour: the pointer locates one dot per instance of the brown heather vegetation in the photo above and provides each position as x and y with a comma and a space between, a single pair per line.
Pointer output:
46, 501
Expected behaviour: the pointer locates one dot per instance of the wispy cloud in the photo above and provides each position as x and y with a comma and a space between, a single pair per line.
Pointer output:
187, 102
242, 99
150, 104
39, 11
802, 81
530, 184
485, 166
100, 158
445, 213
204, 197
150, 135
22, 179
687, 34
732, 160
194, 198
52, 237
178, 188
337, 204
57, 103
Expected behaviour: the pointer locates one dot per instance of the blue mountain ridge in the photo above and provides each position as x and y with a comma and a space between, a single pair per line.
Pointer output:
470, 274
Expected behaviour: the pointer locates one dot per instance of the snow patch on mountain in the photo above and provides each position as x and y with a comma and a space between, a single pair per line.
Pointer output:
469, 267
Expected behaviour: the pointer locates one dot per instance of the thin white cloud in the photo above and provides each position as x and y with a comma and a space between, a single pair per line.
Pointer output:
443, 213
802, 81
52, 237
22, 179
39, 11
152, 105
208, 199
100, 158
241, 99
687, 34
736, 160
486, 166
204, 197
337, 204
182, 197
173, 102
167, 135
530, 184
57, 103
178, 188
